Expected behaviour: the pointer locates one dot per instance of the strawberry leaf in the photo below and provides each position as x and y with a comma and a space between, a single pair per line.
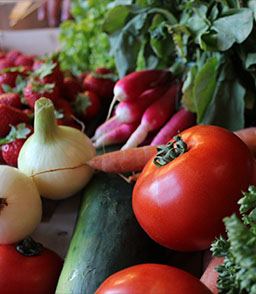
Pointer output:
82, 102
12, 69
42, 88
58, 113
44, 70
19, 132
7, 88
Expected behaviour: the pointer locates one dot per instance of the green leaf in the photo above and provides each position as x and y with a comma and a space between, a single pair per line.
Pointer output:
19, 132
115, 19
226, 108
82, 102
7, 88
188, 99
204, 86
234, 27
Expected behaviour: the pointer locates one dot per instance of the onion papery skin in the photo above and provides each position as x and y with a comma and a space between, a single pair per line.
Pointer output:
63, 167
23, 209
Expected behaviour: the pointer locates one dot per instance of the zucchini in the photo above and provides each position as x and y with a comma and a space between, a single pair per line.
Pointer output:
107, 237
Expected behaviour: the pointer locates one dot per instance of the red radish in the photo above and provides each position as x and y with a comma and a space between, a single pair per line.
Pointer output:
180, 121
154, 117
210, 275
116, 135
105, 127
135, 83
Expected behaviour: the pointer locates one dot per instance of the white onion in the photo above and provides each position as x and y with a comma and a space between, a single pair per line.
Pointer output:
55, 156
20, 205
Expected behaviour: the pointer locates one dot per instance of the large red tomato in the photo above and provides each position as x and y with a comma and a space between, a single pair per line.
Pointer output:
181, 205
21, 274
153, 279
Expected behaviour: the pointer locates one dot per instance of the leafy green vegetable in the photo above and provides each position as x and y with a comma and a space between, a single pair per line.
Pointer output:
237, 274
208, 45
84, 46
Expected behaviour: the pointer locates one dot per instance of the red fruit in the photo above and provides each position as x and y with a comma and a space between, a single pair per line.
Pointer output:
11, 99
10, 151
81, 77
23, 60
5, 63
104, 70
37, 89
87, 105
48, 70
10, 116
12, 55
97, 83
71, 88
8, 78
2, 161
2, 56
66, 114
17, 136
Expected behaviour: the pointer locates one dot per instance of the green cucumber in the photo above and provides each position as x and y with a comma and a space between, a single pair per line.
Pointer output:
107, 237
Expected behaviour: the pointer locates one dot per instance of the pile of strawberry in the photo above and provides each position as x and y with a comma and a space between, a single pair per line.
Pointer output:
26, 78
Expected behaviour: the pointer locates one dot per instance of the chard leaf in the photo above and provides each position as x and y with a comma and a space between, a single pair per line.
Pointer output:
227, 105
204, 86
187, 89
227, 28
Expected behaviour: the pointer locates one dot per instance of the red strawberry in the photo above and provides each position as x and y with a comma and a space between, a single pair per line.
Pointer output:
10, 116
11, 99
2, 161
87, 105
7, 78
5, 63
2, 56
65, 114
23, 60
81, 78
37, 89
71, 88
15, 140
12, 55
48, 70
101, 84
104, 70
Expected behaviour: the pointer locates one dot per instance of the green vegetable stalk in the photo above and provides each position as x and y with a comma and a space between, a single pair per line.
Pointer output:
237, 274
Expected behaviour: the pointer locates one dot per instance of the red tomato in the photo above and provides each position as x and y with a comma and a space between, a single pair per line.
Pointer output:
181, 205
153, 279
20, 274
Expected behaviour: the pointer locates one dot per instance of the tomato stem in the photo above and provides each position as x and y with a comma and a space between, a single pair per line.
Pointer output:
28, 247
166, 153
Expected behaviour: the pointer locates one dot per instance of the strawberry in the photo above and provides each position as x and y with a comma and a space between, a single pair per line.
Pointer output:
101, 84
2, 56
71, 88
7, 78
10, 116
12, 55
48, 70
81, 78
11, 99
36, 89
2, 161
87, 105
14, 141
23, 60
65, 114
5, 63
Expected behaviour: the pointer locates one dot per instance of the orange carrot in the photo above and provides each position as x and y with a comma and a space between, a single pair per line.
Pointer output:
248, 135
122, 161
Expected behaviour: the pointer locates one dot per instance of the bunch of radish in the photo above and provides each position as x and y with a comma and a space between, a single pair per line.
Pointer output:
147, 109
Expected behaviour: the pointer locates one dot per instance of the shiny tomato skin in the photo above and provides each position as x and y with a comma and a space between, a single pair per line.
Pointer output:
153, 279
28, 275
182, 205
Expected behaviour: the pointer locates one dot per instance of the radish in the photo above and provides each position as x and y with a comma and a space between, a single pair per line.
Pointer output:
210, 275
131, 111
154, 117
117, 135
134, 84
180, 121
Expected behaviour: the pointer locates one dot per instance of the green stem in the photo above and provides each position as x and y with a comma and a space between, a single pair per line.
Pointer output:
167, 153
45, 124
28, 247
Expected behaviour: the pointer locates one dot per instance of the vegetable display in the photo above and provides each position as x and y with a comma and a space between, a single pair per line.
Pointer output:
183, 194
154, 279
